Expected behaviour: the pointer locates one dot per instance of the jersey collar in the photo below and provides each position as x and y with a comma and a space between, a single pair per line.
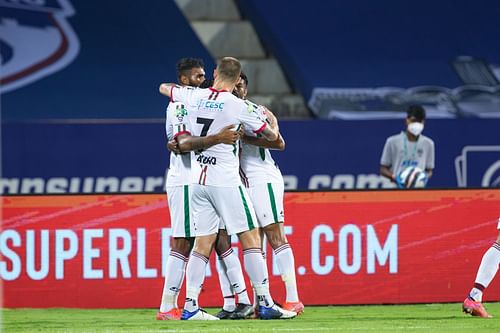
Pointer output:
215, 90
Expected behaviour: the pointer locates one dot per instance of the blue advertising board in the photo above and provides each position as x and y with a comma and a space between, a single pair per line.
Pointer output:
338, 154
132, 157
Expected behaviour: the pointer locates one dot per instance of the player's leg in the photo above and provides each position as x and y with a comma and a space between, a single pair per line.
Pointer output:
485, 274
236, 209
487, 271
181, 225
286, 264
263, 241
206, 224
233, 266
175, 271
268, 203
228, 294
232, 275
256, 269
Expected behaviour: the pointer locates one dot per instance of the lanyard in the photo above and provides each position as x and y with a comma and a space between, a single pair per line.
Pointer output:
405, 149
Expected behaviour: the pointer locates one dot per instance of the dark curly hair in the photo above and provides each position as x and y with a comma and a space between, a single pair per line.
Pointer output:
185, 65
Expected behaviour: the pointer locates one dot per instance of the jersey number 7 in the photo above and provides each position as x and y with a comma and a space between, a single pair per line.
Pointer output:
206, 122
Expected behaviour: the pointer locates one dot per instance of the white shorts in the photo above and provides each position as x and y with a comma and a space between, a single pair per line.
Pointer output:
267, 200
210, 204
180, 211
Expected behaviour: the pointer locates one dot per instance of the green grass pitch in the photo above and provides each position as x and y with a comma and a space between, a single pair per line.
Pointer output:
376, 318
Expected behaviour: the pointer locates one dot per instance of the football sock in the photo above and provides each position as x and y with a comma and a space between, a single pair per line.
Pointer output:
255, 298
286, 266
235, 275
256, 269
476, 292
486, 272
195, 275
225, 287
175, 269
229, 303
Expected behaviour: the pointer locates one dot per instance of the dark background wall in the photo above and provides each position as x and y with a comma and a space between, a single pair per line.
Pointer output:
99, 113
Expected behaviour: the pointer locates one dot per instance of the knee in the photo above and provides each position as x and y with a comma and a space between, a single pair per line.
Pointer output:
276, 238
204, 245
250, 239
182, 246
223, 243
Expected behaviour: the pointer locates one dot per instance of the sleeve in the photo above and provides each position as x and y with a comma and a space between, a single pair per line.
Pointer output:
253, 118
429, 163
180, 94
261, 113
386, 158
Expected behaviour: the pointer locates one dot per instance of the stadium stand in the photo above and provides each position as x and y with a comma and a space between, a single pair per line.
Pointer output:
363, 44
223, 31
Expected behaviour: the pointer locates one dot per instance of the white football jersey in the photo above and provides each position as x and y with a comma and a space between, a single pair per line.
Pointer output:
256, 163
211, 110
176, 123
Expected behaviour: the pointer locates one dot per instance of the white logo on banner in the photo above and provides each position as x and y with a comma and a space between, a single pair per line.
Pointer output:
489, 178
491, 175
36, 40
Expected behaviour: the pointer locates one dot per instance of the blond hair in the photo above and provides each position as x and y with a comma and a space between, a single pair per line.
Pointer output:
229, 69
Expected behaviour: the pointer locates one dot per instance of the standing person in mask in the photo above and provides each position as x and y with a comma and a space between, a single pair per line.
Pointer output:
409, 148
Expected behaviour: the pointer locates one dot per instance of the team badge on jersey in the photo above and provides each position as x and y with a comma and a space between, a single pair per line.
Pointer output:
36, 40
257, 109
180, 112
251, 107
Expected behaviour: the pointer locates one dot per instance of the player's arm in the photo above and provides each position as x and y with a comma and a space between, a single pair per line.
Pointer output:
269, 133
270, 129
266, 129
166, 89
278, 144
189, 143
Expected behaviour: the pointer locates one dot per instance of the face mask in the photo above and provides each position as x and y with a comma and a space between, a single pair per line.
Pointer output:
415, 128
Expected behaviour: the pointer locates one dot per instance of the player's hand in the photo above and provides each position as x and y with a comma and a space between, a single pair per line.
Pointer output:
173, 146
246, 138
228, 135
